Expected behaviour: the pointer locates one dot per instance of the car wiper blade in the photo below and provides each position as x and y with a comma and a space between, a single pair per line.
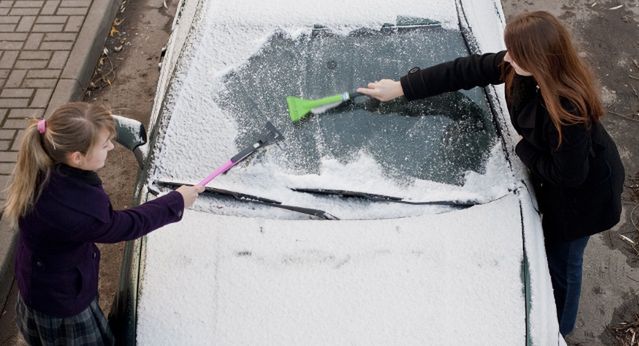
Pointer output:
252, 199
346, 193
384, 198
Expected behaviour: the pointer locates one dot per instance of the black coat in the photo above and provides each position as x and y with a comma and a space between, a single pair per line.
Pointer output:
578, 183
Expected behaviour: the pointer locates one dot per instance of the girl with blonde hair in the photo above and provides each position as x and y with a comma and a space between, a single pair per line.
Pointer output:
57, 201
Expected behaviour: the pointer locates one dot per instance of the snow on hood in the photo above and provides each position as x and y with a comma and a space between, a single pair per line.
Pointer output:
451, 279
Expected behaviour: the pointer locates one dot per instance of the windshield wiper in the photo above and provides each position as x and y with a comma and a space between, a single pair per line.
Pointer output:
250, 198
383, 198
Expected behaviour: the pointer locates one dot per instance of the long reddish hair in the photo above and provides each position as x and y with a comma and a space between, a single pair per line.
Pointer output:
541, 45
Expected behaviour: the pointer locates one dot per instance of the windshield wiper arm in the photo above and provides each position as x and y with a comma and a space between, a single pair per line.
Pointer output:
383, 198
251, 199
273, 203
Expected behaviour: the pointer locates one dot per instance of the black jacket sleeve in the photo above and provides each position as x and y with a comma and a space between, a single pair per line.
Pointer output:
461, 73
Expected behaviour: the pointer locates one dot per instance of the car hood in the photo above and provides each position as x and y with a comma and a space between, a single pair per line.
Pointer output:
448, 278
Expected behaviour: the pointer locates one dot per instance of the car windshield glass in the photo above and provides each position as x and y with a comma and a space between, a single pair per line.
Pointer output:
438, 138
443, 148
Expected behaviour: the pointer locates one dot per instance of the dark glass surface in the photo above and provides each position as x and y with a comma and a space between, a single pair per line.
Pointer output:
438, 139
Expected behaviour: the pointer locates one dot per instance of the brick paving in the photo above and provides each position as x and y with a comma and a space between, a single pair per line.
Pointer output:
36, 39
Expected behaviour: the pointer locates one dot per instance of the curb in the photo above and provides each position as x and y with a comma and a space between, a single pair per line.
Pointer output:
8, 239
70, 87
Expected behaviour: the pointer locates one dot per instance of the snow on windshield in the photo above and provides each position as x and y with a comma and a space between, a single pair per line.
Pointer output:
334, 13
363, 174
437, 139
400, 156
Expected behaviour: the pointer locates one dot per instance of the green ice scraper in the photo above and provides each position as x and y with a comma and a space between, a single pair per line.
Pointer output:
299, 108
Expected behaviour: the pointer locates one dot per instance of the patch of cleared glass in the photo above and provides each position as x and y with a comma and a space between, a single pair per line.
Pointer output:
437, 139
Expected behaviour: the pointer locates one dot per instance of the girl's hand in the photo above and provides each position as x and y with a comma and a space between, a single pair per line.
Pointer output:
383, 90
189, 194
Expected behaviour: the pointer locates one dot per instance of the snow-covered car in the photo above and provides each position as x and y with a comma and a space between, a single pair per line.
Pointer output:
389, 224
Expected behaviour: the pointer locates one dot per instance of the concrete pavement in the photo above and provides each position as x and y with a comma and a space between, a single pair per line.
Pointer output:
48, 51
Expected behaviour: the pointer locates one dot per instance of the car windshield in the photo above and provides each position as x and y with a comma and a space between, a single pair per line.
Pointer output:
438, 138
399, 148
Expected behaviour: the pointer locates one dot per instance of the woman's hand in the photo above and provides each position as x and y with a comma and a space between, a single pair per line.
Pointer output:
383, 90
189, 194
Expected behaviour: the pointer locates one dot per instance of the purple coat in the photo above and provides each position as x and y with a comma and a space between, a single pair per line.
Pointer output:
57, 262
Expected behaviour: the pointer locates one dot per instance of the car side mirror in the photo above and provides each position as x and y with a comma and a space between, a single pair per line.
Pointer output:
132, 135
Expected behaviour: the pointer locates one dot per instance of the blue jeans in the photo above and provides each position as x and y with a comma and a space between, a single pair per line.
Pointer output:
565, 259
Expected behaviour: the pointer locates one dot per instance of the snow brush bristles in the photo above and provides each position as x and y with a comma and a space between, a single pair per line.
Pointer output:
299, 108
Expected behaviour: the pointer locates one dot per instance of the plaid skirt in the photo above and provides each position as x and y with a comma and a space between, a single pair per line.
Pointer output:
89, 327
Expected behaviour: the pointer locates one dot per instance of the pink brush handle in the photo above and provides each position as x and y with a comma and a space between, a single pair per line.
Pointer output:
217, 172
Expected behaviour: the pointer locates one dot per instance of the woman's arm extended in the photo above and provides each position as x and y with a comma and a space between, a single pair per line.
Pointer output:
461, 73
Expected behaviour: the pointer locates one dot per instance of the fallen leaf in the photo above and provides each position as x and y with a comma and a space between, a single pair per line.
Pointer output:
114, 31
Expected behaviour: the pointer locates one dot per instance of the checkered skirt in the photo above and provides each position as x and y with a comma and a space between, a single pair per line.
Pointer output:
89, 327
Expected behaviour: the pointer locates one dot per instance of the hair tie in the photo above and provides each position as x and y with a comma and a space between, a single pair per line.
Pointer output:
42, 126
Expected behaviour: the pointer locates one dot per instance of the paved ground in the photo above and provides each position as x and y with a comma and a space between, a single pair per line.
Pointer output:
48, 50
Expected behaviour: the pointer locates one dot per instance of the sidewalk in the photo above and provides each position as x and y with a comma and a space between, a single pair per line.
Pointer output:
48, 51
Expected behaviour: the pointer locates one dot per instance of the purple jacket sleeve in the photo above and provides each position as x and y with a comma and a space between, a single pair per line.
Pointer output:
461, 73
133, 223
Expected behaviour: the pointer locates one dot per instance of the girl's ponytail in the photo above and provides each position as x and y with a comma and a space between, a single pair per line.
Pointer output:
73, 127
31, 171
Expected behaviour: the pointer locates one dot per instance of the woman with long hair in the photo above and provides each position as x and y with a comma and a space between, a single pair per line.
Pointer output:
554, 105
